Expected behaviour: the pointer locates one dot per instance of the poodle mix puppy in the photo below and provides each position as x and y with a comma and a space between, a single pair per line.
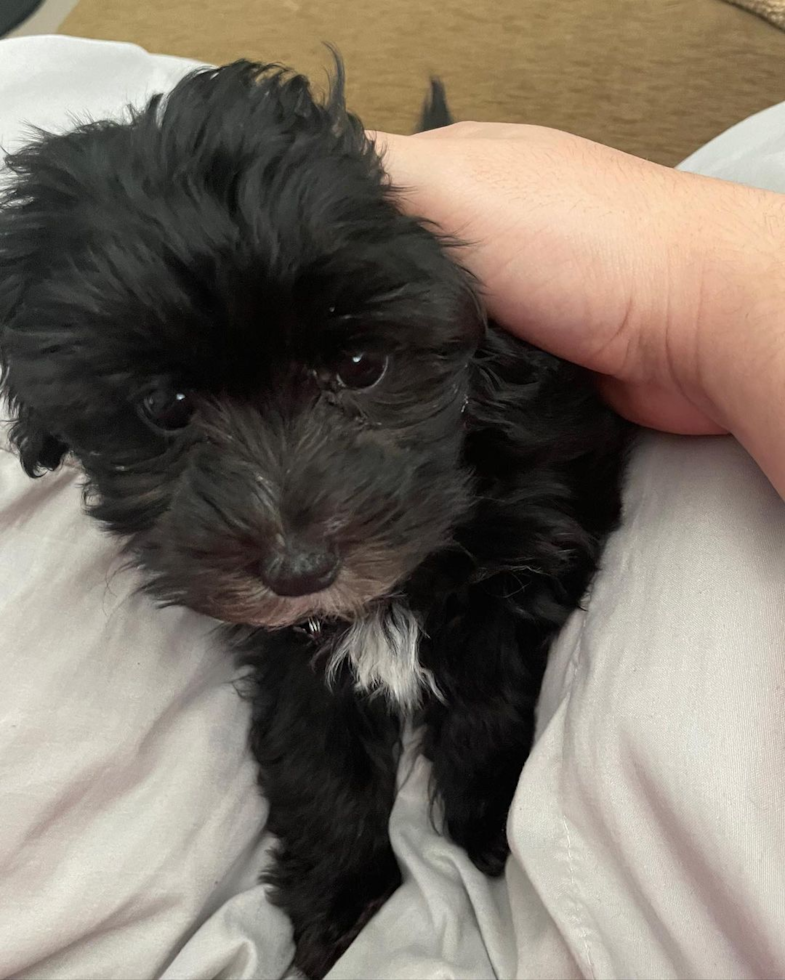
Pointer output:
287, 402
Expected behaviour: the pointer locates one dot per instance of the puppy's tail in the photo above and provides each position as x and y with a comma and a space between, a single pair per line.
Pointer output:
435, 111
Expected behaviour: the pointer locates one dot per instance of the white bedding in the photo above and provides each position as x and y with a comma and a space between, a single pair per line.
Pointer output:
648, 831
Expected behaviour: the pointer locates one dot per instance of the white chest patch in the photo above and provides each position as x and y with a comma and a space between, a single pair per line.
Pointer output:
382, 650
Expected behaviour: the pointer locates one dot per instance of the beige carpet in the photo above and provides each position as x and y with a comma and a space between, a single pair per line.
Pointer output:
654, 77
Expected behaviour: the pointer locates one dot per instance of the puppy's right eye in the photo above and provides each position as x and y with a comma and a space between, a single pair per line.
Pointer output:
360, 369
166, 410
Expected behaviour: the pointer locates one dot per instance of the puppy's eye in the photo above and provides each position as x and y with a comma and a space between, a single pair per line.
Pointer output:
361, 369
166, 410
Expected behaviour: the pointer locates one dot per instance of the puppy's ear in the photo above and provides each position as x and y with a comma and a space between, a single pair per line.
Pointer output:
38, 449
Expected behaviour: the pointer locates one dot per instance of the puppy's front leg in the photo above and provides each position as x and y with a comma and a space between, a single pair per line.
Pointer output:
328, 768
489, 666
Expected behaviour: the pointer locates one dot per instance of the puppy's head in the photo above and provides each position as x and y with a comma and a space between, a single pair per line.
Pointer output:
258, 360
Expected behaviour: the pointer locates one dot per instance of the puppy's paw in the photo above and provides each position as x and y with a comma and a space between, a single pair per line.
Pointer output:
484, 838
325, 926
321, 944
314, 958
490, 856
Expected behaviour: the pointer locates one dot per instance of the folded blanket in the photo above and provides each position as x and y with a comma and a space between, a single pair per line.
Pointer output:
771, 10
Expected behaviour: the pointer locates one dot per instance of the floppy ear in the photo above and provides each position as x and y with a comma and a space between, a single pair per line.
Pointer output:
38, 449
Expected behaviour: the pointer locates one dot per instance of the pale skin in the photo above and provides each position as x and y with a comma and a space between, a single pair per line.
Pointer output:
669, 286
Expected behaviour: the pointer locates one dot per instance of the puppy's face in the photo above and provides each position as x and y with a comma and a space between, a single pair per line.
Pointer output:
259, 362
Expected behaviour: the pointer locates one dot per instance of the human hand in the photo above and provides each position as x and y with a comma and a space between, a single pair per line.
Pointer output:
638, 272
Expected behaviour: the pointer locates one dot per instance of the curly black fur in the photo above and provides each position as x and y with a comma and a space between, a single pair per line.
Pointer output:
227, 248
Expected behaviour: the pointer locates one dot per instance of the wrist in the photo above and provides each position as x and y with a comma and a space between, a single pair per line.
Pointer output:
735, 370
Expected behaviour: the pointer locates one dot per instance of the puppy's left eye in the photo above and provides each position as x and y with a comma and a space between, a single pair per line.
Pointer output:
166, 410
361, 369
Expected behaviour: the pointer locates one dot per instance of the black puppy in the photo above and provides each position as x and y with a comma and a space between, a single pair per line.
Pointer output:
286, 400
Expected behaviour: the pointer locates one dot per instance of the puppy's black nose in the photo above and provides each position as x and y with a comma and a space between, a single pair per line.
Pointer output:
300, 570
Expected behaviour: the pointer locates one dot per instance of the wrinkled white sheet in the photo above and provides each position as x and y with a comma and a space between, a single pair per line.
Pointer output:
648, 830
